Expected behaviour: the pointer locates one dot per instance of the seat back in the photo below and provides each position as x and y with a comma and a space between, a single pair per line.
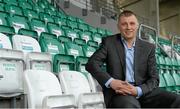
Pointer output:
5, 42
38, 85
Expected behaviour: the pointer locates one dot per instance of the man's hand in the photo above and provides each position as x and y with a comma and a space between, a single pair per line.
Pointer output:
123, 87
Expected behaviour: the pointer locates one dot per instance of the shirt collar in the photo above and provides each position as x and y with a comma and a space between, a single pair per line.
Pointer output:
125, 42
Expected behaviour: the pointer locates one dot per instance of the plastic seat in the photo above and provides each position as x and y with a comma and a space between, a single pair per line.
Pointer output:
71, 18
168, 63
2, 6
25, 5
70, 33
79, 20
92, 44
32, 53
101, 31
12, 9
50, 44
97, 37
3, 16
79, 41
45, 17
44, 91
50, 11
88, 50
92, 29
85, 35
30, 14
72, 24
37, 8
11, 68
64, 39
18, 22
176, 77
55, 29
7, 30
108, 32
169, 81
76, 83
63, 63
162, 83
38, 26
28, 33
73, 49
59, 20
13, 2
83, 27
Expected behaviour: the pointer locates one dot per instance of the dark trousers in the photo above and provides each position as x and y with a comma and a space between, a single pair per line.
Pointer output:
158, 98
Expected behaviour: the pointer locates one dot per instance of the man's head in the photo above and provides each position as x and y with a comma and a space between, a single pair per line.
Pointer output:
128, 24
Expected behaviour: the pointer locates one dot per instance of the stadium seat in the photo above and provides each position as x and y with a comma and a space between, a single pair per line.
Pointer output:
88, 50
11, 70
18, 22
37, 8
26, 32
162, 83
25, 5
32, 53
64, 39
176, 77
2, 7
79, 41
44, 91
97, 37
85, 35
79, 20
76, 83
38, 26
72, 24
92, 29
13, 2
49, 43
93, 44
71, 18
55, 29
59, 21
30, 14
83, 27
72, 34
46, 17
101, 31
12, 9
73, 49
7, 30
50, 11
63, 62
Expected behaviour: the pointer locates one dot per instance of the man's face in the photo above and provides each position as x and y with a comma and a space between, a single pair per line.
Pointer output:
128, 26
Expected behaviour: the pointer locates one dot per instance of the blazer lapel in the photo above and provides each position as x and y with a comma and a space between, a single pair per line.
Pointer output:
120, 50
137, 56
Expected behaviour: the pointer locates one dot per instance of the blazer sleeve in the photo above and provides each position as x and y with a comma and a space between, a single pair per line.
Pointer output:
96, 61
153, 77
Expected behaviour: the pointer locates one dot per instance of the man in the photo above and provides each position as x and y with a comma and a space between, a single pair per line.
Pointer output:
131, 80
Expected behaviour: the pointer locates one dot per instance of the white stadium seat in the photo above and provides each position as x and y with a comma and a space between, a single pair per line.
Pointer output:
76, 83
32, 51
44, 91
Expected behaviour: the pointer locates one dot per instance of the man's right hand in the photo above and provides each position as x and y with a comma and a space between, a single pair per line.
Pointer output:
120, 87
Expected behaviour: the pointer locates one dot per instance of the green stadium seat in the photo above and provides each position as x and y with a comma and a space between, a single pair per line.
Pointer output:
46, 17
59, 20
25, 5
7, 30
175, 64
79, 41
72, 34
73, 49
108, 32
38, 26
63, 62
92, 44
12, 2
80, 64
12, 9
51, 7
49, 11
18, 22
88, 50
80, 20
162, 83
3, 16
64, 39
72, 24
176, 77
61, 15
92, 29
85, 35
2, 6
42, 4
50, 44
28, 33
97, 37
55, 29
30, 14
83, 27
168, 63
162, 62
101, 31
77, 30
169, 81
37, 8
71, 18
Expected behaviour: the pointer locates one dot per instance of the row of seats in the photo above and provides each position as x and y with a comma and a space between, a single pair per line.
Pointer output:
35, 82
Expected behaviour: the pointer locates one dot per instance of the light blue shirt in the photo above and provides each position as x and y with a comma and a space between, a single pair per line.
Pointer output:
129, 53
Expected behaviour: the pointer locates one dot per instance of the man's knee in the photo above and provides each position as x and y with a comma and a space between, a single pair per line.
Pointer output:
125, 102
